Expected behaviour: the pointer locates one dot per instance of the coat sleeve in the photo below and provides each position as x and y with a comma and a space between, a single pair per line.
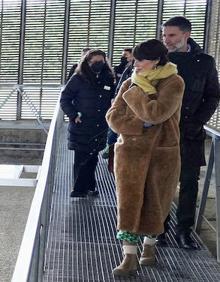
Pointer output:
68, 95
211, 96
156, 111
118, 119
112, 84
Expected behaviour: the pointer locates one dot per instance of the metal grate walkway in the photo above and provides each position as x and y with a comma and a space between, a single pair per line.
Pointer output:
82, 245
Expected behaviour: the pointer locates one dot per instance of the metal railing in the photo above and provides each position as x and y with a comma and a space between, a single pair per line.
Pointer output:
30, 261
213, 130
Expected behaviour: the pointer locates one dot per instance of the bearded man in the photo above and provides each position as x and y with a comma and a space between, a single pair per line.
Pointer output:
200, 101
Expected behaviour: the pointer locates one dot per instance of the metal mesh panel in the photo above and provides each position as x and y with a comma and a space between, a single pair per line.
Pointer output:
82, 245
9, 40
214, 38
41, 39
88, 27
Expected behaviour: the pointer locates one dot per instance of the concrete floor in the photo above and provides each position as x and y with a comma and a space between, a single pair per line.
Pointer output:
15, 203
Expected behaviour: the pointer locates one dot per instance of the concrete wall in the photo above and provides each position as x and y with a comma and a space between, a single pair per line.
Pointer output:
22, 142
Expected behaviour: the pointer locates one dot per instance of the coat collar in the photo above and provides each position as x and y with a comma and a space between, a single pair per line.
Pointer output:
195, 48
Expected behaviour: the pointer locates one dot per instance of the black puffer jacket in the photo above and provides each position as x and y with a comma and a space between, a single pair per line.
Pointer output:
92, 101
118, 70
200, 99
125, 75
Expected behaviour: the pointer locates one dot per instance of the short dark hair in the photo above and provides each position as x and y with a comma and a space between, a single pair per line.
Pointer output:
152, 49
127, 49
183, 23
86, 49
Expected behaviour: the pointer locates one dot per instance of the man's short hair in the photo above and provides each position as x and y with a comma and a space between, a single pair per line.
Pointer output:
128, 50
183, 23
86, 49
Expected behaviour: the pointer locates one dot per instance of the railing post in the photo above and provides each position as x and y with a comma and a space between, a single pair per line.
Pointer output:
21, 58
217, 182
159, 18
205, 191
65, 41
111, 30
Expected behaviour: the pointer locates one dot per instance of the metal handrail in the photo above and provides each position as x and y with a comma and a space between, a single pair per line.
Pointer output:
37, 85
213, 163
30, 261
211, 131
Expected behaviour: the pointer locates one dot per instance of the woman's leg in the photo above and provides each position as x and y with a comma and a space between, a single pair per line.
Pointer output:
80, 174
90, 177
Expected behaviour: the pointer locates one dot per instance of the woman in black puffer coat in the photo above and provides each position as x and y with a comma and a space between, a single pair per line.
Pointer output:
85, 100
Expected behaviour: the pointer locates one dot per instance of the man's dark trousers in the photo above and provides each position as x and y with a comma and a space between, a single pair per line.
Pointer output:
187, 198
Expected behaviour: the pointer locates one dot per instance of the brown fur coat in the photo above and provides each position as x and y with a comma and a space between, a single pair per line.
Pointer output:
147, 160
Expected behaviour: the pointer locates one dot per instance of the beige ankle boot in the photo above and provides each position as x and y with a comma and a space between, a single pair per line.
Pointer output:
129, 263
148, 255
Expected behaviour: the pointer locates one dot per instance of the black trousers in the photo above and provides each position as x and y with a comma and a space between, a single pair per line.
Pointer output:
187, 198
84, 171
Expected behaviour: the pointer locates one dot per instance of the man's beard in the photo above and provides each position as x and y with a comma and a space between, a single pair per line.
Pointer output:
178, 46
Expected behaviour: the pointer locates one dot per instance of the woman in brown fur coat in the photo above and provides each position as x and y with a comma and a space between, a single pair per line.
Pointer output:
146, 115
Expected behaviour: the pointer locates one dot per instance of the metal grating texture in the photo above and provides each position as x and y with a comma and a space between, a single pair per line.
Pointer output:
214, 122
82, 245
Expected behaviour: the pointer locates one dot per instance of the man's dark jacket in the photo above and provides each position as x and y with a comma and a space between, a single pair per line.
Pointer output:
125, 75
118, 70
200, 100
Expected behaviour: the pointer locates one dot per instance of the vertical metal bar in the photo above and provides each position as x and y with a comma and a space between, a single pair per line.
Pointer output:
1, 21
208, 21
43, 232
135, 22
21, 57
65, 41
205, 190
111, 30
89, 21
184, 8
42, 58
159, 18
217, 182
33, 271
217, 32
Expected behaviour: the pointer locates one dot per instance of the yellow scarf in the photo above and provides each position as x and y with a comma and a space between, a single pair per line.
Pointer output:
147, 80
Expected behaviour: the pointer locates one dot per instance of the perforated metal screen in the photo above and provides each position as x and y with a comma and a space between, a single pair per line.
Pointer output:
41, 39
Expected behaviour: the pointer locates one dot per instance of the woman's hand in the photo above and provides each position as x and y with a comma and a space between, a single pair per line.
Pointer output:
78, 120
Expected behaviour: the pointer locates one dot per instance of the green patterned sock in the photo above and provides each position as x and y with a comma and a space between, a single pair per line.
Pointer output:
127, 236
